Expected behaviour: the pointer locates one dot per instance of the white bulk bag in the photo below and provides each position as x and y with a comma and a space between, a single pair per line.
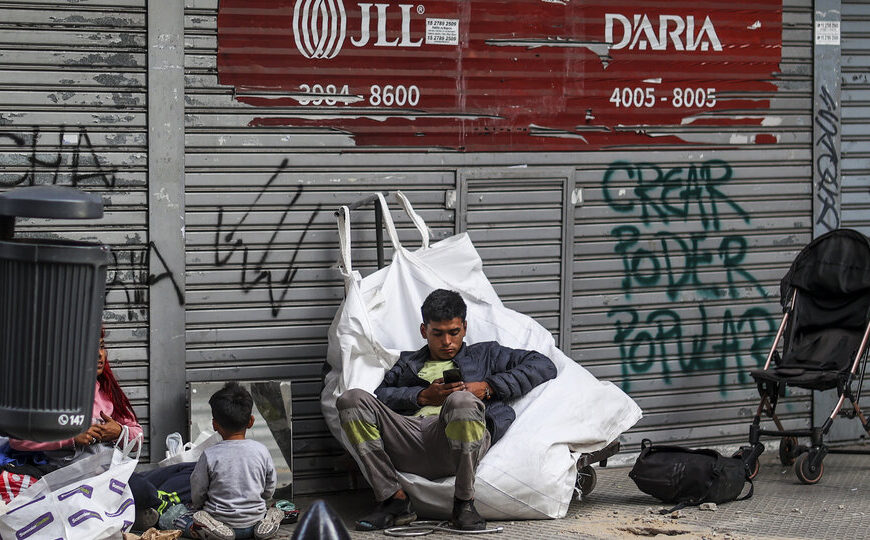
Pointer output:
530, 473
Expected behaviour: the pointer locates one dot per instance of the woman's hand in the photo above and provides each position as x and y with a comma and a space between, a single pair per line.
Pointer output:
110, 430
89, 437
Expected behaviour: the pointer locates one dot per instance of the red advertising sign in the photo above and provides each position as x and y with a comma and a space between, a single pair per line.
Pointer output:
503, 75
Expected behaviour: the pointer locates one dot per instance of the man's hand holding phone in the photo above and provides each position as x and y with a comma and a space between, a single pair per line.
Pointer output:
450, 382
452, 376
440, 388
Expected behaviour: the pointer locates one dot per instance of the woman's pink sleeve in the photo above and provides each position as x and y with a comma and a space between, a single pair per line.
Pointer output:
133, 426
33, 446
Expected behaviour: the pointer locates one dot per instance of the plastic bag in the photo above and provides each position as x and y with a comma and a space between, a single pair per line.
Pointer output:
189, 452
530, 473
88, 499
11, 485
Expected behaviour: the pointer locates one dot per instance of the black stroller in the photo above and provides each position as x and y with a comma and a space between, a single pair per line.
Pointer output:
826, 303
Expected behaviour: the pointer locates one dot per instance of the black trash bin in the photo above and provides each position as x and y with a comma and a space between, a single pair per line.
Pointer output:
51, 303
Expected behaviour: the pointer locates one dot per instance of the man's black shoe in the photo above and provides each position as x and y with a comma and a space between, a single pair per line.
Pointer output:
465, 516
392, 512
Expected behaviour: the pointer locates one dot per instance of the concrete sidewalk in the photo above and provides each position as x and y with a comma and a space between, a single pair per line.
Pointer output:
837, 507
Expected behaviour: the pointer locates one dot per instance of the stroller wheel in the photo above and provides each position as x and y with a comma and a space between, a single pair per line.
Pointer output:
803, 472
788, 450
587, 478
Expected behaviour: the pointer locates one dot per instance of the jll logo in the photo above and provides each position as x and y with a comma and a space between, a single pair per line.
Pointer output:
320, 27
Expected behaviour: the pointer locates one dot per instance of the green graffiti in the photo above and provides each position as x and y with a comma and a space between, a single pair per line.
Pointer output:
676, 262
682, 262
661, 195
659, 339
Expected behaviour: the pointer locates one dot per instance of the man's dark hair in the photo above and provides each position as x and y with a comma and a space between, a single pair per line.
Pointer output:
443, 305
231, 407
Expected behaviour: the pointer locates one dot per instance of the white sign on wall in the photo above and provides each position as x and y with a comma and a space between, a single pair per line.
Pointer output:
827, 32
442, 31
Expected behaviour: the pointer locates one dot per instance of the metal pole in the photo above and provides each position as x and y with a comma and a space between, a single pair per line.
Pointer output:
167, 395
379, 222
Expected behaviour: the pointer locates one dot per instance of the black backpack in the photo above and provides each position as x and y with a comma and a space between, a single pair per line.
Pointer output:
675, 474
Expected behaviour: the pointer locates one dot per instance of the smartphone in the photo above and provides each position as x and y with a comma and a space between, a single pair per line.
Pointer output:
452, 375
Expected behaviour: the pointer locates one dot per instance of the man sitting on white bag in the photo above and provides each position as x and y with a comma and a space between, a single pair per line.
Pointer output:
437, 412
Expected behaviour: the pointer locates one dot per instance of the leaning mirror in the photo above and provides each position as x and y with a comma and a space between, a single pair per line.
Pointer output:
272, 423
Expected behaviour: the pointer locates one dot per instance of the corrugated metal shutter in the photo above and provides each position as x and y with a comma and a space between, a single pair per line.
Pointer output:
855, 116
72, 112
261, 242
678, 257
261, 281
491, 76
260, 196
676, 290
517, 221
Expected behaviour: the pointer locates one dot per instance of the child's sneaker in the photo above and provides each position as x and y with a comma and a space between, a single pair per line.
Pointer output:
170, 518
209, 528
268, 526
145, 519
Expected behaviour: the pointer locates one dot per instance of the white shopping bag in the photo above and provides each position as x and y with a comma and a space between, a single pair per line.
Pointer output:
189, 452
530, 473
88, 499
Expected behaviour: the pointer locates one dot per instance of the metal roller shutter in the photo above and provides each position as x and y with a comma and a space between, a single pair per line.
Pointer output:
676, 284
855, 116
264, 172
72, 112
842, 152
261, 242
520, 226
678, 257
261, 280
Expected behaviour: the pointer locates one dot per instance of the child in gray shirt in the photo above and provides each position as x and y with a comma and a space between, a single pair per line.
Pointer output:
234, 478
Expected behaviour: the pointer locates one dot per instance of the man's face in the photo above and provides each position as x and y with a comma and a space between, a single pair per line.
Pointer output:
444, 337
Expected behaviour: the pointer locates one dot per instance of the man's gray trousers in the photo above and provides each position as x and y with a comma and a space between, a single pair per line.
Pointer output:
451, 443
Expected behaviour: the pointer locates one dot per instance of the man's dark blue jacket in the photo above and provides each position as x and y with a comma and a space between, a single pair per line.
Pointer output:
511, 373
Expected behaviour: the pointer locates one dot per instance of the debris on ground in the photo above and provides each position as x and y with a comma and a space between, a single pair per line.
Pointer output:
709, 506
153, 534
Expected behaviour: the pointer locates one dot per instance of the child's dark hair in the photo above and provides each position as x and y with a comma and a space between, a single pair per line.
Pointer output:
443, 305
231, 407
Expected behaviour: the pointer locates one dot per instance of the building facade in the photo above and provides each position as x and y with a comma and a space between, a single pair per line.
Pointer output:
637, 176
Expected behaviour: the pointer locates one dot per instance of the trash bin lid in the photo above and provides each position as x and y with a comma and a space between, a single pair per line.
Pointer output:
48, 201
